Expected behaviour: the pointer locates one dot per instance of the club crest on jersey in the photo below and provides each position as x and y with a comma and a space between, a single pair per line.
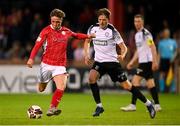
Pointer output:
63, 32
107, 34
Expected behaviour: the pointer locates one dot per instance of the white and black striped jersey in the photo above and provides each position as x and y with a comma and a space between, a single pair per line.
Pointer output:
105, 42
144, 51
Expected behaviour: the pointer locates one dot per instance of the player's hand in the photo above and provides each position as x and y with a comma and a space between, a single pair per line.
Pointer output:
87, 60
129, 66
155, 66
30, 63
120, 57
93, 35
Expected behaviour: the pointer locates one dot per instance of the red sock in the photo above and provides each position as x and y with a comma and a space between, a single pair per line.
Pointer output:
56, 97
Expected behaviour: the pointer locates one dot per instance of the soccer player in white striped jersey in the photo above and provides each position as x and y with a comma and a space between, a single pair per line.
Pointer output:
147, 58
107, 60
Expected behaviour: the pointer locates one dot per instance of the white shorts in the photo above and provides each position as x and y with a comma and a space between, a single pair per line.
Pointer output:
47, 72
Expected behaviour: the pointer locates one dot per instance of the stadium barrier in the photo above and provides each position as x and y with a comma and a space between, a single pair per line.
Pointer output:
20, 79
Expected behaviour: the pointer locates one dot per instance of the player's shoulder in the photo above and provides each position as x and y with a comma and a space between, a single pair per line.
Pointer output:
65, 28
46, 29
96, 25
110, 26
146, 32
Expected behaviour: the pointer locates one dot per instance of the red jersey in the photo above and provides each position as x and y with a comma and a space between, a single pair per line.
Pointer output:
55, 45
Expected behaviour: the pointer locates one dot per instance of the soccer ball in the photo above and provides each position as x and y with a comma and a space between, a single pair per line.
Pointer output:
34, 112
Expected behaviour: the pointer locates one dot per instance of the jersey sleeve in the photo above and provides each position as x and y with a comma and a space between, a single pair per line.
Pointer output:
148, 37
79, 35
90, 30
117, 37
149, 40
39, 42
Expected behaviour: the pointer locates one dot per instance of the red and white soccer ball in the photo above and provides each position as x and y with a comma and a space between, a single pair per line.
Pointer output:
34, 112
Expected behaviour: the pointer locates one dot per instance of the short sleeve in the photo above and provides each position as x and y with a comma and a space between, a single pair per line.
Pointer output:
117, 37
90, 30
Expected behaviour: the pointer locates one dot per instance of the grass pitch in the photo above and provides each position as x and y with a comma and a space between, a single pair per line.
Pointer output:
77, 109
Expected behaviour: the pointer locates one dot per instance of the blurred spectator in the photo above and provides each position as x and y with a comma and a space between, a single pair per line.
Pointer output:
16, 53
85, 18
36, 26
26, 24
3, 38
2, 56
167, 49
176, 36
78, 52
15, 27
27, 51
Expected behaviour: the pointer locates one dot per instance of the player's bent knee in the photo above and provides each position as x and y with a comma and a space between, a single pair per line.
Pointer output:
126, 85
92, 80
135, 84
41, 89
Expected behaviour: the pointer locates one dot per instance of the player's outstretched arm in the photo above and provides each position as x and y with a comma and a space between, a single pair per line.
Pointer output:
123, 51
86, 51
132, 61
83, 36
151, 44
34, 51
30, 63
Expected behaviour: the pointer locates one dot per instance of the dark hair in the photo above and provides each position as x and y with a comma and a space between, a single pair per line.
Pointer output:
58, 13
139, 16
104, 11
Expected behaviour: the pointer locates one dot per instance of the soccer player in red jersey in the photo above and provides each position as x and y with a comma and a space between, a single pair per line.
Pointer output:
54, 39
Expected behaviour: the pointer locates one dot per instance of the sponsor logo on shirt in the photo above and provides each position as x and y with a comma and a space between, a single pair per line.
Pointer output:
100, 42
63, 32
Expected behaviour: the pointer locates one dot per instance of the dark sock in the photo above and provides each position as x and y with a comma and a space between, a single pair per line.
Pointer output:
138, 94
95, 92
154, 95
134, 98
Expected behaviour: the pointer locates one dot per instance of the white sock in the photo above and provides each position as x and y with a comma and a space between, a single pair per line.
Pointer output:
147, 103
133, 105
99, 105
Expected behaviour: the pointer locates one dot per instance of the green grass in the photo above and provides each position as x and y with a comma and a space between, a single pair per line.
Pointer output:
77, 109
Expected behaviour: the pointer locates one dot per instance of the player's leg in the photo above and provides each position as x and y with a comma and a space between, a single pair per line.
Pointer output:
161, 81
154, 93
164, 67
136, 83
93, 77
128, 86
60, 81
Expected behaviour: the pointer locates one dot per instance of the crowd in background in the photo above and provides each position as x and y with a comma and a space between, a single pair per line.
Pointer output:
21, 21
